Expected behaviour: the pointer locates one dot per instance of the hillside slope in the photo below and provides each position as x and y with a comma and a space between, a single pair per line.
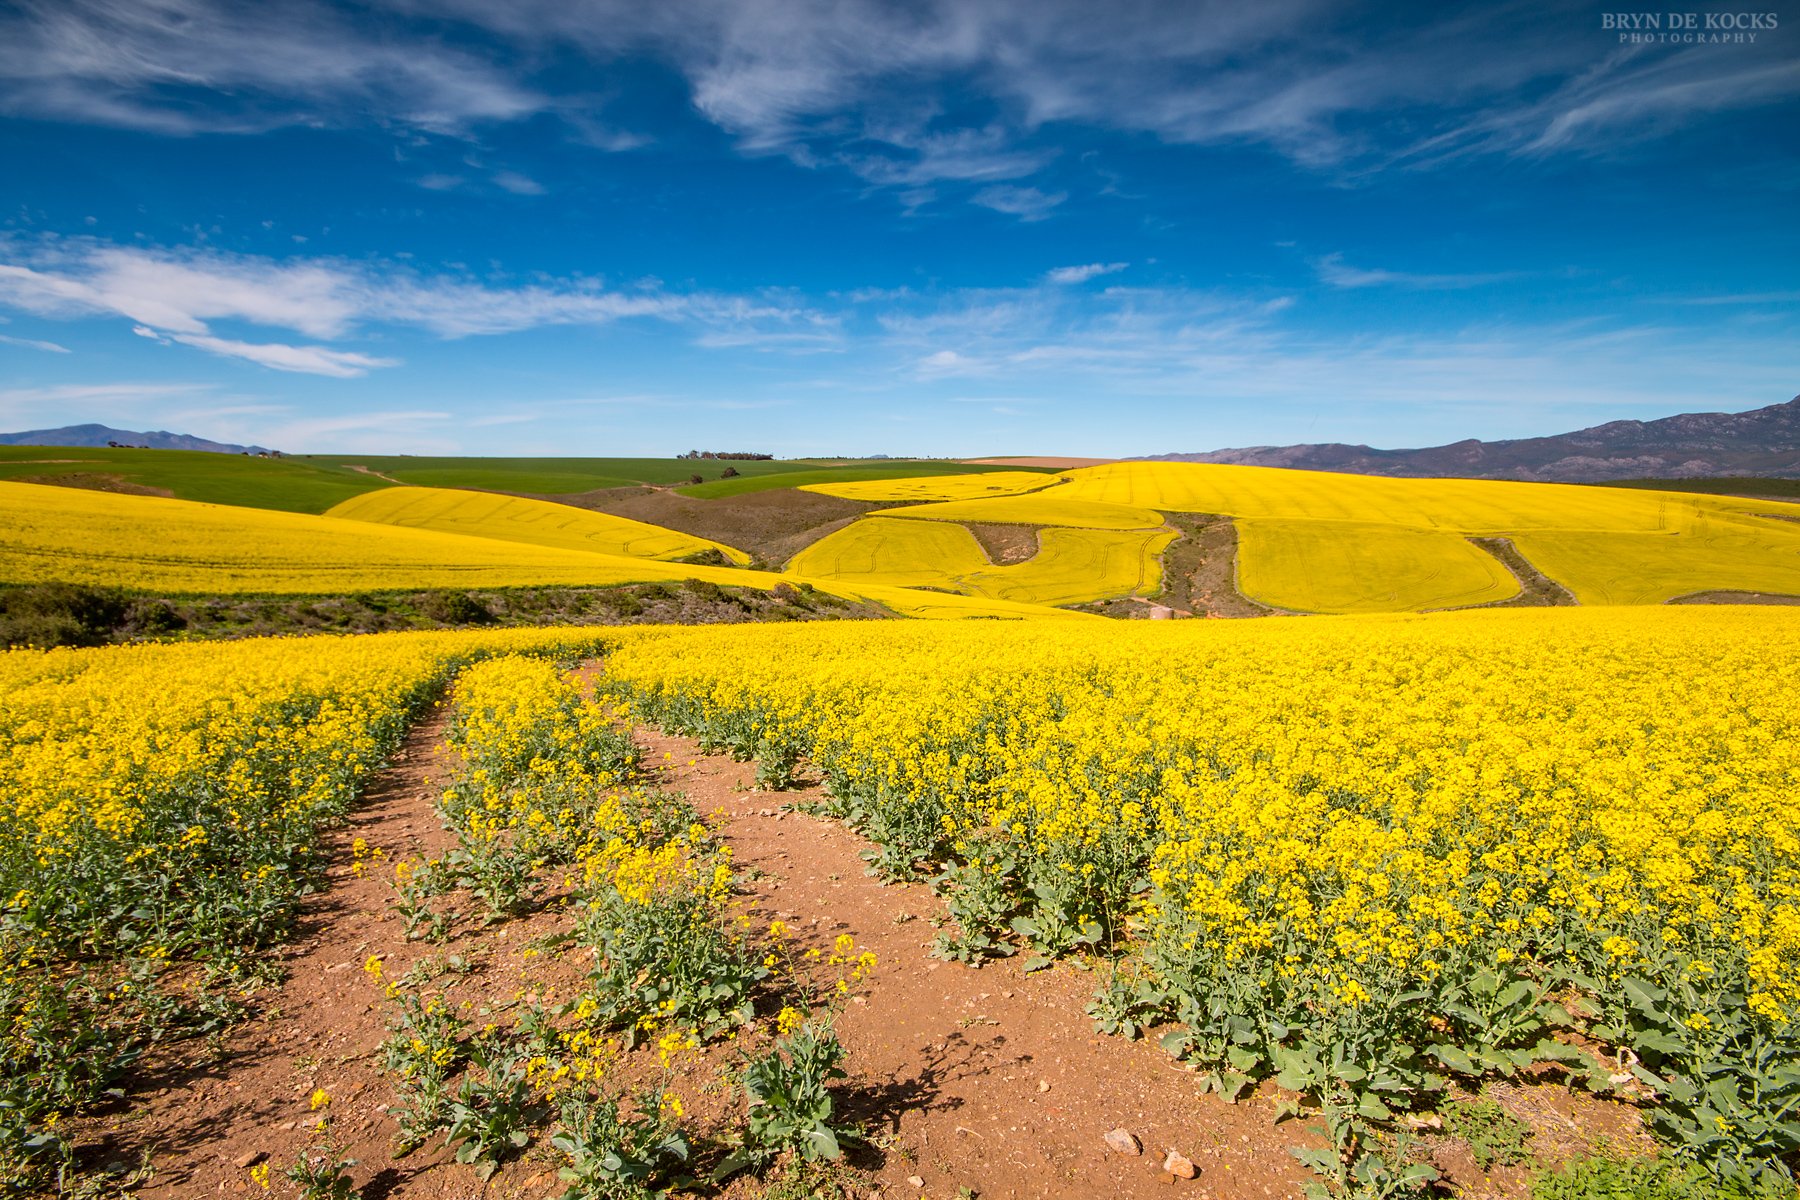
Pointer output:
146, 543
1765, 441
91, 436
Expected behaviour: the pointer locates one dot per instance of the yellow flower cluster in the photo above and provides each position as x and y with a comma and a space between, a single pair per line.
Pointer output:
1322, 816
151, 781
543, 768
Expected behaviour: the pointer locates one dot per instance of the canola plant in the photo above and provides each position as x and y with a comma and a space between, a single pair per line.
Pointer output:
1363, 855
1369, 857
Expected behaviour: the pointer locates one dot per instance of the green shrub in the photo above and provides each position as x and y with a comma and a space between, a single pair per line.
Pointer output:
454, 608
1662, 1178
60, 614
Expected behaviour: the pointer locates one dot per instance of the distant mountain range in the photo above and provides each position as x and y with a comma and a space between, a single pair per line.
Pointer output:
101, 435
1765, 441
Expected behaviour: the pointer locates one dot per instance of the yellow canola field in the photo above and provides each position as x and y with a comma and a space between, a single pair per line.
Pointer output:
1379, 840
1074, 566
180, 547
1052, 507
902, 553
1711, 552
518, 519
937, 487
1606, 545
1351, 567
121, 815
1071, 566
1473, 506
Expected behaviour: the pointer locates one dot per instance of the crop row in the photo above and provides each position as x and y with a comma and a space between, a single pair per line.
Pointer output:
163, 809
1367, 857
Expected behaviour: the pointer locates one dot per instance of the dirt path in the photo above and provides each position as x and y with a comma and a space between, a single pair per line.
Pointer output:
372, 471
1536, 589
989, 1079
207, 1123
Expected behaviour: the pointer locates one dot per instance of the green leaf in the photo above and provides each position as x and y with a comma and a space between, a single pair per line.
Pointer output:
734, 1162
1454, 1058
1370, 1106
1323, 1162
1518, 991
1644, 996
1295, 1078
821, 1142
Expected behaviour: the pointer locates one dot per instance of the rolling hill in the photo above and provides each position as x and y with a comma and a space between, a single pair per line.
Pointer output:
91, 436
1765, 441
164, 546
1336, 543
938, 544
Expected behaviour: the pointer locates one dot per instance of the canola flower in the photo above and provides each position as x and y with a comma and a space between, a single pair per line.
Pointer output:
1353, 852
164, 803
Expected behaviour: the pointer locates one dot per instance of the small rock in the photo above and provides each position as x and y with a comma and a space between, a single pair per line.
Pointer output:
1124, 1141
1179, 1165
915, 1181
1043, 1085
244, 1162
1424, 1121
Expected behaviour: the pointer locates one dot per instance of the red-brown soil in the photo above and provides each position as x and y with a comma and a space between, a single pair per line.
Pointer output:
1005, 544
1200, 569
989, 1079
771, 526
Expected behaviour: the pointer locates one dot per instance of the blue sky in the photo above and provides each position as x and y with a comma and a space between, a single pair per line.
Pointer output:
866, 227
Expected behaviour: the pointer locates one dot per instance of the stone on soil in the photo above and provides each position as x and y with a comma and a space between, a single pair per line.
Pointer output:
1179, 1165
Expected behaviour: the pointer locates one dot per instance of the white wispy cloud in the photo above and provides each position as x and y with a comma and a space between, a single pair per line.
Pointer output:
1083, 273
178, 296
1333, 270
307, 360
1026, 203
33, 344
880, 89
187, 66
1202, 367
124, 403
517, 184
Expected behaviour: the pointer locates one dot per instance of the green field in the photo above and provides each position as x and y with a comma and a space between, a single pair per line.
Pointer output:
551, 476
283, 484
809, 474
313, 483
